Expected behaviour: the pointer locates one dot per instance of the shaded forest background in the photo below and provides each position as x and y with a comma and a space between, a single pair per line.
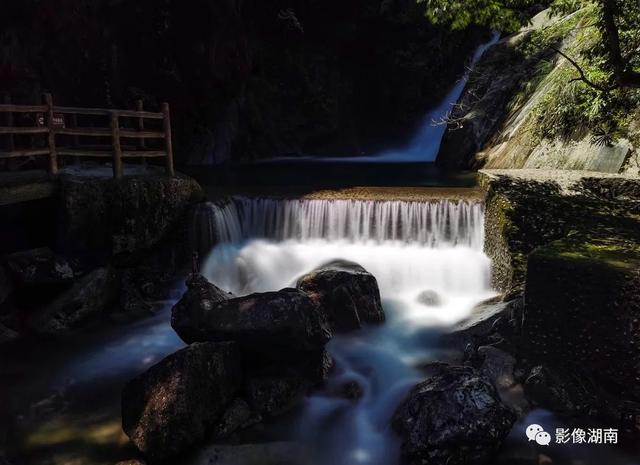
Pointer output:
246, 78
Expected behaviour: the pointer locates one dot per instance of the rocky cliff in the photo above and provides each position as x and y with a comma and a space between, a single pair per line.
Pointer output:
523, 107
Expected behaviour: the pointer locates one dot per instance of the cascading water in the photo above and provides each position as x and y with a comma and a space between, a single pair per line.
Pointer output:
410, 247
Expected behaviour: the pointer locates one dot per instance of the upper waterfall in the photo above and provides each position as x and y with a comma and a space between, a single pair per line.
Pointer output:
433, 223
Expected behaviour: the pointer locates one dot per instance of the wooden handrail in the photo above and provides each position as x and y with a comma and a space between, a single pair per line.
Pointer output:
24, 153
5, 108
115, 132
104, 132
22, 130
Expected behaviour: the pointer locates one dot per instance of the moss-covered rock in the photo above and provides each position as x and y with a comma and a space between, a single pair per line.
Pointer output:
582, 303
526, 210
101, 214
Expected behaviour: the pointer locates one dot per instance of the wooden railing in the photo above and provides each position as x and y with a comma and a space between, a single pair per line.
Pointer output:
50, 120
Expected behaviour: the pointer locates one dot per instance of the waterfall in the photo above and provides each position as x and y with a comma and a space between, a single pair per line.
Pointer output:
410, 247
429, 223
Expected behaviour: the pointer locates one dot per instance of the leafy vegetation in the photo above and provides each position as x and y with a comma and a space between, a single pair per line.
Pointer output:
569, 62
617, 21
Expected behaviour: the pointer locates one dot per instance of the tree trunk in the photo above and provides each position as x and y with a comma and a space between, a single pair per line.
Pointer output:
623, 77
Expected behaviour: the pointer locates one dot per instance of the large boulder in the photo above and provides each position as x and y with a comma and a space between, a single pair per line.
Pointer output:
454, 417
102, 215
346, 292
90, 298
176, 402
281, 325
190, 312
582, 302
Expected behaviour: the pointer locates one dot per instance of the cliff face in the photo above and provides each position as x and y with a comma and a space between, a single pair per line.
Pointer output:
246, 79
524, 109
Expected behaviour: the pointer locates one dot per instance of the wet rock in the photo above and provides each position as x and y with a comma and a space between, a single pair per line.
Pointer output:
499, 367
273, 396
238, 415
172, 405
271, 453
90, 298
190, 313
347, 292
429, 298
454, 417
485, 320
282, 325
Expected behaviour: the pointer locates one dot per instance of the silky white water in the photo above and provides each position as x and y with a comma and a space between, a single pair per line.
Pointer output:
410, 247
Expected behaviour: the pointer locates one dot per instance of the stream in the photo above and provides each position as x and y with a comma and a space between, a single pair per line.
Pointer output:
66, 397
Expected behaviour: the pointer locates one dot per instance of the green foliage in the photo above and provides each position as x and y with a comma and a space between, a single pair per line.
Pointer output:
499, 15
577, 98
572, 108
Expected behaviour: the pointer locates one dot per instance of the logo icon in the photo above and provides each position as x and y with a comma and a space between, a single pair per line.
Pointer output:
538, 434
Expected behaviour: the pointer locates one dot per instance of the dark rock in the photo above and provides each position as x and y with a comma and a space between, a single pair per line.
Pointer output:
583, 305
176, 402
283, 325
6, 286
351, 390
273, 396
7, 335
347, 292
37, 275
38, 267
238, 415
270, 453
103, 215
454, 417
90, 298
132, 303
131, 462
485, 320
429, 298
189, 314
499, 367
549, 391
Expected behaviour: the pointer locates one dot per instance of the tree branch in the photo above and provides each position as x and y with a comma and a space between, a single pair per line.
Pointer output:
583, 77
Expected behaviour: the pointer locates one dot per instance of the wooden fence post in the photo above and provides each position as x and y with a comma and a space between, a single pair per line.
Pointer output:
53, 156
140, 107
117, 150
167, 139
6, 99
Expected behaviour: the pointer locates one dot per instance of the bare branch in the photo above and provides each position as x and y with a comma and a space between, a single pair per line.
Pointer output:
583, 76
